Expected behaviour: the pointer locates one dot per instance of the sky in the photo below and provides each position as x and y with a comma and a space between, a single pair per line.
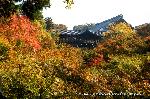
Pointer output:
135, 12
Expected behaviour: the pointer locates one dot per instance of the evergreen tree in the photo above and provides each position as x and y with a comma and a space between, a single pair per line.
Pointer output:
31, 8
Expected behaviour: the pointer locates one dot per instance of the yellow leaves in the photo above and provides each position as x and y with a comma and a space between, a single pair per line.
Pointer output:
106, 34
58, 86
4, 40
88, 76
92, 75
129, 64
67, 56
122, 39
69, 3
123, 29
71, 57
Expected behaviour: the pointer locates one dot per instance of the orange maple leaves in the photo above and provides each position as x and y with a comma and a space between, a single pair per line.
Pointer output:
20, 28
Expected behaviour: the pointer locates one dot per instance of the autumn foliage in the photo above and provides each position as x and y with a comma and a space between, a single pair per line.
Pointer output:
20, 28
33, 65
30, 60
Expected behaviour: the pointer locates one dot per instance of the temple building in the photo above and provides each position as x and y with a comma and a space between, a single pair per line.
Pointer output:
89, 37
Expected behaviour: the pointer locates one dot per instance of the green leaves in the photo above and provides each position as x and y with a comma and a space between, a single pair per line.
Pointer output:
3, 52
30, 8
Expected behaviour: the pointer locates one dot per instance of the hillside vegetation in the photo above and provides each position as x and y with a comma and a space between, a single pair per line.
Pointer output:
34, 66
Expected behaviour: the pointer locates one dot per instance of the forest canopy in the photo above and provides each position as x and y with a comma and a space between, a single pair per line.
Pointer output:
34, 65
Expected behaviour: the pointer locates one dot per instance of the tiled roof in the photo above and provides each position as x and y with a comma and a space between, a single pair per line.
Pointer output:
103, 26
70, 32
99, 27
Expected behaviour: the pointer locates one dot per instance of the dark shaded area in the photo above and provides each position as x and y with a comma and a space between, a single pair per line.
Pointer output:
83, 40
74, 79
143, 30
30, 8
7, 7
1, 95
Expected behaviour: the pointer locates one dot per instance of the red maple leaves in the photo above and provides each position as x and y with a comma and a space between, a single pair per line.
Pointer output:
21, 28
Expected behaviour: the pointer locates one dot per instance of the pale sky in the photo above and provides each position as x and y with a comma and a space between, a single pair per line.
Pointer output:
135, 12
